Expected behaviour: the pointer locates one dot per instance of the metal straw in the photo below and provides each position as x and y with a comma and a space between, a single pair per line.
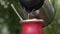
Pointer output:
16, 12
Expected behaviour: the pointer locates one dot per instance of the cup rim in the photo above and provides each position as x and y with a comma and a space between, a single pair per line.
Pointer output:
28, 20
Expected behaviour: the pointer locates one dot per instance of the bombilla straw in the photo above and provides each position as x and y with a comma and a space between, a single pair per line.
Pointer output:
16, 12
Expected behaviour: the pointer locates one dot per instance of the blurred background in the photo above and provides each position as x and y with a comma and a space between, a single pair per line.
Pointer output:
9, 21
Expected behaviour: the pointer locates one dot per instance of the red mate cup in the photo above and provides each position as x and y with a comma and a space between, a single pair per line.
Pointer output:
32, 26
